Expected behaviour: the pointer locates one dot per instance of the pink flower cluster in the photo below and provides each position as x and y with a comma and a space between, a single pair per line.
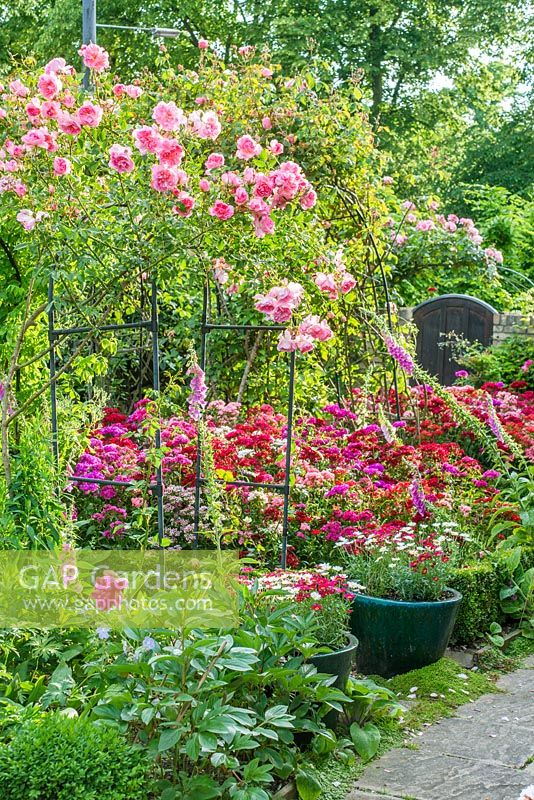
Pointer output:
280, 302
310, 330
334, 284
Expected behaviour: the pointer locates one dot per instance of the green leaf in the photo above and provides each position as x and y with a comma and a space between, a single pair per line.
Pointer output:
366, 739
169, 738
308, 786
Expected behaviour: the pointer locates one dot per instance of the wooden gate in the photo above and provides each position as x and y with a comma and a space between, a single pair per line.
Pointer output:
468, 317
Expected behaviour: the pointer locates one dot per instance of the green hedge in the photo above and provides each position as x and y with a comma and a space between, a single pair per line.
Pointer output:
479, 584
58, 758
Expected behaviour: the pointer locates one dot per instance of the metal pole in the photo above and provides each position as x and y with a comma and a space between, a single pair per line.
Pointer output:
156, 384
289, 437
198, 467
88, 32
52, 371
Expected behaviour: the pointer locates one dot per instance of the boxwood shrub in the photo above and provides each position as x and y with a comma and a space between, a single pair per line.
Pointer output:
479, 584
60, 758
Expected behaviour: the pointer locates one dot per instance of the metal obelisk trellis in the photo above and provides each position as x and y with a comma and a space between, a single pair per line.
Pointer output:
56, 333
285, 487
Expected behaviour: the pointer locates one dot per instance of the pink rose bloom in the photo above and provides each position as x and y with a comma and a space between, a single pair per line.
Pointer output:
164, 179
183, 177
316, 328
147, 139
56, 65
20, 189
69, 101
33, 108
286, 343
94, 57
204, 185
259, 206
282, 313
467, 222
450, 227
200, 101
266, 72
169, 116
425, 225
433, 205
411, 218
308, 200
49, 85
36, 137
50, 109
119, 89
305, 344
221, 210
276, 148
240, 195
18, 89
387, 180
246, 50
264, 185
231, 179
214, 161
266, 123
250, 175
263, 225
62, 166
266, 304
203, 44
453, 218
495, 255
170, 152
26, 219
185, 204
327, 284
399, 239
206, 125
247, 148
133, 91
3, 113
68, 123
89, 114
348, 282
120, 158
408, 205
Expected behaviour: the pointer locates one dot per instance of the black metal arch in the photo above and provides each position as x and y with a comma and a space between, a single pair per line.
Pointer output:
56, 333
285, 488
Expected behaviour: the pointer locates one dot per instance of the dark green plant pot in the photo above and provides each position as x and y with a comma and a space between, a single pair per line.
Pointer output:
398, 636
337, 663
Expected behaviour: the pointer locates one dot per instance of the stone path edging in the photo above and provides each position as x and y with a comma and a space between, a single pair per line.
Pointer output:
484, 752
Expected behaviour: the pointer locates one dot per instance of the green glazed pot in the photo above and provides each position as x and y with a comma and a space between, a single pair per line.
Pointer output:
338, 663
397, 636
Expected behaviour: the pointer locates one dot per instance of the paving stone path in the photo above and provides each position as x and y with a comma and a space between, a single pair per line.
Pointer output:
485, 752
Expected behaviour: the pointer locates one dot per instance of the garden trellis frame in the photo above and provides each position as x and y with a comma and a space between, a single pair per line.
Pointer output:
54, 334
284, 487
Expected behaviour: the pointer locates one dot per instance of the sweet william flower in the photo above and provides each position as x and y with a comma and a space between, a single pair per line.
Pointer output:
120, 158
94, 57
